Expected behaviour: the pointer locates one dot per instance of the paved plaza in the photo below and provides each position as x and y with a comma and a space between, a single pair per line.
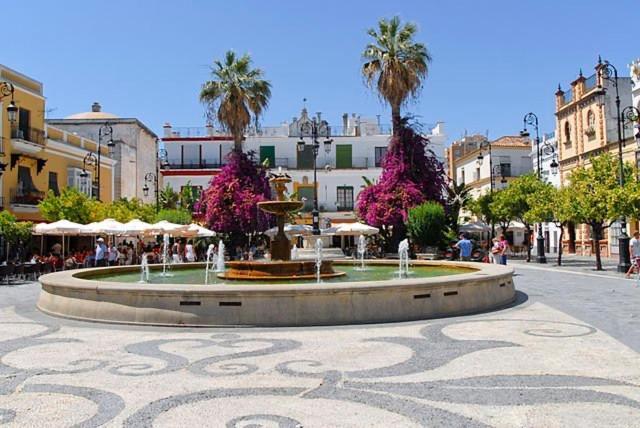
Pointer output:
566, 354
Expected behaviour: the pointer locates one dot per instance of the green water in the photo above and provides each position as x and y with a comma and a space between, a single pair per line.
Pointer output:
373, 273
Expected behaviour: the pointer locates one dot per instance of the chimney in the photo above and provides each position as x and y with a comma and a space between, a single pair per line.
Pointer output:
210, 129
345, 122
167, 129
96, 107
319, 114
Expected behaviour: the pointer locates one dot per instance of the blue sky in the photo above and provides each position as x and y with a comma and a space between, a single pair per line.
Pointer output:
493, 61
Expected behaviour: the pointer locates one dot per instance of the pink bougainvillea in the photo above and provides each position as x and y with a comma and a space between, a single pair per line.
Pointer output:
229, 204
411, 175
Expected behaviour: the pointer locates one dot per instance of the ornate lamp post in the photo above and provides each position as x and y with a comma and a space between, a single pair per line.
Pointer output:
493, 171
91, 161
315, 129
7, 89
150, 177
631, 114
532, 119
105, 132
608, 72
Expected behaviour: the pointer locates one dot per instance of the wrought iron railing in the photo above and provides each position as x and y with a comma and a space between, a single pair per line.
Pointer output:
173, 164
32, 135
25, 197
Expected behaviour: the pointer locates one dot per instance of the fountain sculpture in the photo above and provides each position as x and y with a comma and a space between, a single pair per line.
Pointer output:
281, 266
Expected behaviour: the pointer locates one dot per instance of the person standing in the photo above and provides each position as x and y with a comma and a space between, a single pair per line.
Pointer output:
634, 250
465, 246
504, 246
190, 253
495, 251
101, 253
112, 256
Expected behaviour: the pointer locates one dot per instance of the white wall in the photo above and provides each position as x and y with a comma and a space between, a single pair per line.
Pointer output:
329, 178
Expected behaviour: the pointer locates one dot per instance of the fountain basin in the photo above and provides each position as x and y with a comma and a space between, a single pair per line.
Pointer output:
83, 295
277, 270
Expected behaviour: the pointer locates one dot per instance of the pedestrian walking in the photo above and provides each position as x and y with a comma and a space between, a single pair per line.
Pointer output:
634, 250
465, 246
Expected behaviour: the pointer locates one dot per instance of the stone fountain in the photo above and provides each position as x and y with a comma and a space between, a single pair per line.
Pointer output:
281, 266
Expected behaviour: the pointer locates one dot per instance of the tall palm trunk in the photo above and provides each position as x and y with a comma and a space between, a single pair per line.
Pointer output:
395, 119
237, 143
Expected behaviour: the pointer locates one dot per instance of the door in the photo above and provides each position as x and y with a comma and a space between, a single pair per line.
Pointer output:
268, 153
343, 156
24, 123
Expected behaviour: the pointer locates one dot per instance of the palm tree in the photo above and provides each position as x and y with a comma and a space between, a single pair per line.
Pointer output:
395, 64
236, 92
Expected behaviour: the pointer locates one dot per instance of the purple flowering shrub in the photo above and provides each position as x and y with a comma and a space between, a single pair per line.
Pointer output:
411, 175
229, 204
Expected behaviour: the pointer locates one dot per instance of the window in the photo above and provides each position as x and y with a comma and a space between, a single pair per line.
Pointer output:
476, 176
53, 183
268, 153
24, 123
191, 155
345, 198
305, 193
505, 170
83, 184
305, 157
567, 133
462, 180
343, 156
591, 125
380, 153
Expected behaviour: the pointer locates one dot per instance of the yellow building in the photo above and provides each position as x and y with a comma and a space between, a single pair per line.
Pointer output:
586, 126
36, 158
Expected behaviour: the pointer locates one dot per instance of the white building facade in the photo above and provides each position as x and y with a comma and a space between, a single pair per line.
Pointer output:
134, 152
195, 155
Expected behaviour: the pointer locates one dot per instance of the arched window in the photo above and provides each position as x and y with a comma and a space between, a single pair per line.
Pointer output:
567, 133
591, 119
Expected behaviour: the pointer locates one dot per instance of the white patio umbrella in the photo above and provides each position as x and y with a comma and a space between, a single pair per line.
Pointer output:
164, 226
291, 230
107, 226
60, 227
197, 231
355, 229
136, 227
474, 227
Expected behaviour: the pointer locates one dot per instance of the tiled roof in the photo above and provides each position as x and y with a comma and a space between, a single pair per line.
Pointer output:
512, 140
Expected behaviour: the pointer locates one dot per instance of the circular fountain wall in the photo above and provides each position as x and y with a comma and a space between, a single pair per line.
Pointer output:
84, 295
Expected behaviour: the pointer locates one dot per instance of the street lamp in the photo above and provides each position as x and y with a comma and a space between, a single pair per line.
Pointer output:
105, 131
150, 177
7, 89
315, 129
631, 114
532, 119
492, 170
606, 71
91, 161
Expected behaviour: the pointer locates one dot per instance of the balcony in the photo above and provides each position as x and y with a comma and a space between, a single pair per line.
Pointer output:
29, 198
178, 164
27, 140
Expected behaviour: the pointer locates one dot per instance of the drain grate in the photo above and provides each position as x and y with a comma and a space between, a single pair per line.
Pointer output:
189, 303
229, 303
422, 296
450, 293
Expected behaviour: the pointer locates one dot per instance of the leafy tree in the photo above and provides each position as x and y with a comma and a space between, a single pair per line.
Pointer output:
124, 210
14, 232
236, 92
169, 198
71, 205
458, 198
598, 199
411, 175
481, 208
395, 65
189, 195
515, 200
179, 216
427, 224
229, 204
500, 209
551, 205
